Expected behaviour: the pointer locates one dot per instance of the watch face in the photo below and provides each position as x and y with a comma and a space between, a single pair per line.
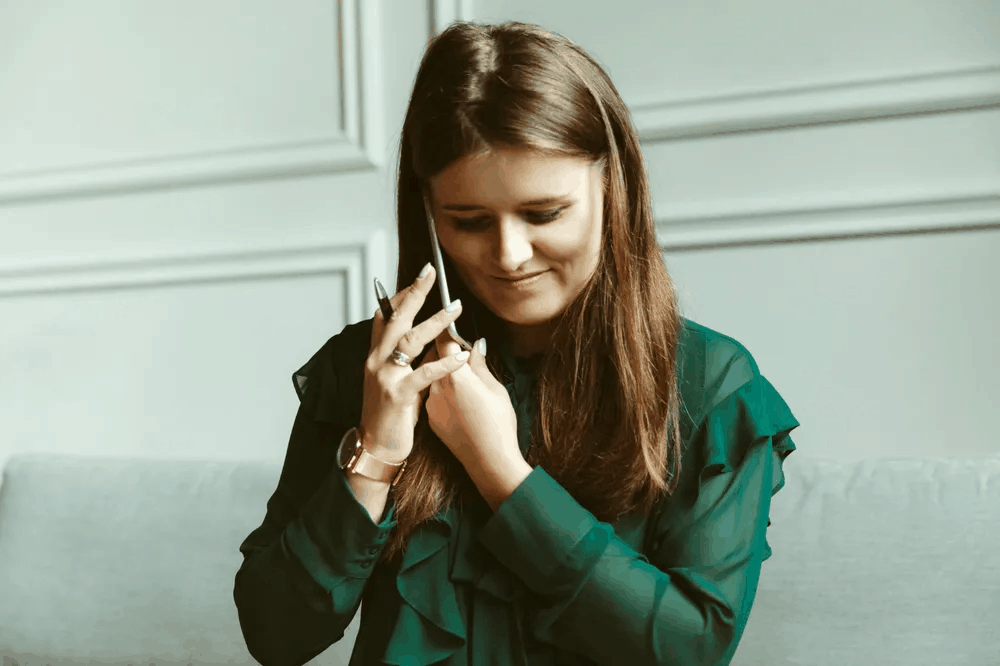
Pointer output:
348, 445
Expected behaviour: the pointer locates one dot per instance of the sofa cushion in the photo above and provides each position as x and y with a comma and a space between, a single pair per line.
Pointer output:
133, 561
881, 562
125, 561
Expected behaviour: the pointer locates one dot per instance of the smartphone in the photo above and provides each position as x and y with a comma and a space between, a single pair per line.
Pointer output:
442, 281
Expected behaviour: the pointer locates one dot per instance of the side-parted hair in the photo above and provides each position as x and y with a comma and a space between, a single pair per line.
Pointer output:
608, 425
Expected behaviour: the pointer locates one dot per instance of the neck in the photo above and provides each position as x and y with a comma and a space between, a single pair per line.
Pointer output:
526, 341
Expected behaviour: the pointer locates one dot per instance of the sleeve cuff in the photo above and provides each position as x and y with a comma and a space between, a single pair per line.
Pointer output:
543, 535
334, 536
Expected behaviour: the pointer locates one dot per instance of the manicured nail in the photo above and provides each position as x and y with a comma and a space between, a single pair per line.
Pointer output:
454, 305
426, 270
462, 356
481, 346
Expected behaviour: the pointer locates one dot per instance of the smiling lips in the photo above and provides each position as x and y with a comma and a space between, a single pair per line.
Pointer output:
524, 284
523, 277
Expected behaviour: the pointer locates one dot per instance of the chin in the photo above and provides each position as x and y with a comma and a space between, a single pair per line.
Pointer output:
521, 309
528, 316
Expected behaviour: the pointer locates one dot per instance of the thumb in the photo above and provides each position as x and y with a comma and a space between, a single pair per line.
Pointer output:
445, 345
477, 360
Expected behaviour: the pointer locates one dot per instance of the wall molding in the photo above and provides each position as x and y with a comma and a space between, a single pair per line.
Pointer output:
799, 106
853, 101
356, 146
358, 259
856, 219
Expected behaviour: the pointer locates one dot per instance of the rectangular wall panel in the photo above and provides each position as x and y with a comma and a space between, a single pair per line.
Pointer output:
189, 370
662, 52
88, 84
903, 160
882, 347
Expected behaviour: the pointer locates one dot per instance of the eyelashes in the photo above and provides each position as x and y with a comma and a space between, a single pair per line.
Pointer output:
539, 217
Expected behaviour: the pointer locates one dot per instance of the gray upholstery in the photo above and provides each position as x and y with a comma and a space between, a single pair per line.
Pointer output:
132, 562
881, 562
127, 562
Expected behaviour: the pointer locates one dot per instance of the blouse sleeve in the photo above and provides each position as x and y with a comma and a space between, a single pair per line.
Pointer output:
688, 601
305, 568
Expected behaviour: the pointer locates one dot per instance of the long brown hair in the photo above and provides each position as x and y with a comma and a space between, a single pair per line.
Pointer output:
607, 383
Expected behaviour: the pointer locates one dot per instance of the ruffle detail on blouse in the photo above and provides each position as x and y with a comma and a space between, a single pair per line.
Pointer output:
476, 565
329, 384
752, 413
430, 626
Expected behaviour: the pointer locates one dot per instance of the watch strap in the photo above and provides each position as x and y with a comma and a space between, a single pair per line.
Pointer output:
364, 463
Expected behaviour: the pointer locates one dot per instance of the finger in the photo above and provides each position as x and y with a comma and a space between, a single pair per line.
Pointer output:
432, 355
405, 305
479, 367
429, 357
477, 362
426, 331
445, 344
428, 373
417, 338
396, 301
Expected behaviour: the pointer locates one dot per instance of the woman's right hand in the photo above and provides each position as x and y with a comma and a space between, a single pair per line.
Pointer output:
392, 393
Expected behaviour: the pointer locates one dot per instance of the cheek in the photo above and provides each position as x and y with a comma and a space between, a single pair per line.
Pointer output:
466, 257
573, 250
469, 253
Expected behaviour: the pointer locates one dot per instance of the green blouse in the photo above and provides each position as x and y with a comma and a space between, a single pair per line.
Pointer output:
541, 581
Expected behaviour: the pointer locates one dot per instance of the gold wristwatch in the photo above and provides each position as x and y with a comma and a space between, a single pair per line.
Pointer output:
352, 457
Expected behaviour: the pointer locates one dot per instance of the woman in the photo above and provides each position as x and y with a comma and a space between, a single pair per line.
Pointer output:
593, 490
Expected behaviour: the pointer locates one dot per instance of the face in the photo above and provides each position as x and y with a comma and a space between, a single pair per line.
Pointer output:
512, 213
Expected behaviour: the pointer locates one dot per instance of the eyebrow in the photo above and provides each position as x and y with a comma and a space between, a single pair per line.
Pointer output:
533, 202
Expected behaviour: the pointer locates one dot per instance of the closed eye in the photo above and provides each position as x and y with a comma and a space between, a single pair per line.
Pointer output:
540, 217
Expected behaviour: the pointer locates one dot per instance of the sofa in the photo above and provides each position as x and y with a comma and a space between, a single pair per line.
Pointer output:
131, 563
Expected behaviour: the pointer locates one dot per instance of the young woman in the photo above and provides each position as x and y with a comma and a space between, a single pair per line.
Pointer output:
593, 487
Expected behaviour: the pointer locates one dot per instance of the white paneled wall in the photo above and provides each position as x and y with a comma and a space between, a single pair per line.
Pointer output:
170, 356
103, 99
892, 338
195, 196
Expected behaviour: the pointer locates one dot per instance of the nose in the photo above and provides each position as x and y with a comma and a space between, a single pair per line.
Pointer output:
514, 244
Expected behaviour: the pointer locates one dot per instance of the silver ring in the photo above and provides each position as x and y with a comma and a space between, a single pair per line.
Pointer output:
400, 359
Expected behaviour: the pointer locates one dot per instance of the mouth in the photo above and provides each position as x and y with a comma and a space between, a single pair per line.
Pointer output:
523, 277
524, 281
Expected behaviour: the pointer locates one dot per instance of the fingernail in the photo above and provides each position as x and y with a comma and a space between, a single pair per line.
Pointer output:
481, 346
454, 305
461, 356
426, 270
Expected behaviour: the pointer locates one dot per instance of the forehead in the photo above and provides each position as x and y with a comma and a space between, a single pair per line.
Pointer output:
521, 174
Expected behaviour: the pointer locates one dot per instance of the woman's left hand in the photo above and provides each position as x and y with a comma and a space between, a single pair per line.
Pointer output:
470, 411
